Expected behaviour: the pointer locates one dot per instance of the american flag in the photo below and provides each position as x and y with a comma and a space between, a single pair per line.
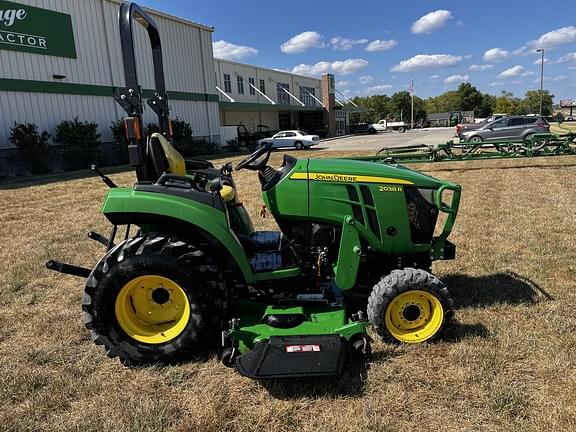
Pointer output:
411, 88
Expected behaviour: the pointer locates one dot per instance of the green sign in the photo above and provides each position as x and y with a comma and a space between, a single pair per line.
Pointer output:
35, 30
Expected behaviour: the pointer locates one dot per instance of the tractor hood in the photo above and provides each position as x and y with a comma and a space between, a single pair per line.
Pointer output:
357, 171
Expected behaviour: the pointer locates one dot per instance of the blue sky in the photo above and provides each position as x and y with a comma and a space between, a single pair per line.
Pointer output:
376, 47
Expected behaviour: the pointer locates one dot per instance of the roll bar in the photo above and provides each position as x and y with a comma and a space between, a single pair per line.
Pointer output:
130, 97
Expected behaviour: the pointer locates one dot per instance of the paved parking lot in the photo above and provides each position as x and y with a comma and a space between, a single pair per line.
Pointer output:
388, 139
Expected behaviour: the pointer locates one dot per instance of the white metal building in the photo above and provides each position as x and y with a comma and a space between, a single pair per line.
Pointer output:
62, 73
254, 96
61, 59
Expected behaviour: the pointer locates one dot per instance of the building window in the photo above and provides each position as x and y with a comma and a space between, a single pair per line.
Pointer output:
306, 94
262, 86
283, 97
284, 119
251, 81
240, 85
227, 84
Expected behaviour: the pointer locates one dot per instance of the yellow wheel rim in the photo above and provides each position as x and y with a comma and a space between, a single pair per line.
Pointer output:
152, 309
414, 316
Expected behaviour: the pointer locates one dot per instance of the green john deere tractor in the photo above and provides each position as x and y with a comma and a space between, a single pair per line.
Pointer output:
355, 246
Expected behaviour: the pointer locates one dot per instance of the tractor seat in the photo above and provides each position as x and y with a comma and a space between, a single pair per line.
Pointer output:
163, 157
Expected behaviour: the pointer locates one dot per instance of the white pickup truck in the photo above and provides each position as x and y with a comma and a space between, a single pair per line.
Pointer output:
387, 126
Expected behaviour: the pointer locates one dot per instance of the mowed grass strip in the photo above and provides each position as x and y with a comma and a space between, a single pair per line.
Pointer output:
508, 363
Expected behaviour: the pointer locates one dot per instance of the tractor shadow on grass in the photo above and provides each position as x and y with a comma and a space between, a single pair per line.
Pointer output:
351, 383
499, 288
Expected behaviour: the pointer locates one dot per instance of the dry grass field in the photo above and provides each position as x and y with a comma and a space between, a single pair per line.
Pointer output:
507, 364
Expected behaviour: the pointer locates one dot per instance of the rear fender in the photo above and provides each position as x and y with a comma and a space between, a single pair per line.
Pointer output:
159, 211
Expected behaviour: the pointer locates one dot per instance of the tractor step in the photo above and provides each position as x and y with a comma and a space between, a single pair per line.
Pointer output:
294, 356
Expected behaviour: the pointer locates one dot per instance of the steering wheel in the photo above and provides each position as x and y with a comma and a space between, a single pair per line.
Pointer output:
249, 162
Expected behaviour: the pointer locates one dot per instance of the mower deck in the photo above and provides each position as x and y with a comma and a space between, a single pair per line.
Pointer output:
294, 356
293, 340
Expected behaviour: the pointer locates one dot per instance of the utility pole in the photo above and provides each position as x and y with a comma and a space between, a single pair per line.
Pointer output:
541, 50
412, 104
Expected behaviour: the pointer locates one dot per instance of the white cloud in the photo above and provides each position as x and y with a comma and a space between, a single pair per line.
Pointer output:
379, 89
425, 61
344, 84
340, 43
556, 78
229, 51
528, 73
554, 38
482, 67
345, 67
538, 61
456, 79
349, 66
301, 42
496, 84
431, 21
365, 79
512, 72
522, 51
570, 57
381, 45
433, 77
495, 55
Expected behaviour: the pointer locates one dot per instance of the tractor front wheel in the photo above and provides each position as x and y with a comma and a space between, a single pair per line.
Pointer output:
155, 299
409, 306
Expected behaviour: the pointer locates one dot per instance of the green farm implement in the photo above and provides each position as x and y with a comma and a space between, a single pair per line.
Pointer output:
538, 145
355, 247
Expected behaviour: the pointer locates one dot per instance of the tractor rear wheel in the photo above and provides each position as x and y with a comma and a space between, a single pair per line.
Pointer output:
154, 299
409, 306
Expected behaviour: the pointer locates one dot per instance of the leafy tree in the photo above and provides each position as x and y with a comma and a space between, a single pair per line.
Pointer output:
445, 102
487, 107
531, 102
469, 98
400, 106
376, 106
505, 103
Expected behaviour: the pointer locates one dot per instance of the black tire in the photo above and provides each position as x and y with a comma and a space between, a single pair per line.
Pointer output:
476, 139
386, 295
372, 131
298, 145
401, 129
189, 266
528, 138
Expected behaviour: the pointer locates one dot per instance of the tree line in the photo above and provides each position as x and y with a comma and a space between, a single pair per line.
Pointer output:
465, 98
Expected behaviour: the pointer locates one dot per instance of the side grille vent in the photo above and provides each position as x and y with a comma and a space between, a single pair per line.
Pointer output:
422, 214
367, 195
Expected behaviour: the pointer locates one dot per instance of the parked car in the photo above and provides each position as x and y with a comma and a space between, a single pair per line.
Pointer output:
506, 128
291, 138
463, 127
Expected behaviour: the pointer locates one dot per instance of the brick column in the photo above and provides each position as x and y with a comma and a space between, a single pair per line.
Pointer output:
329, 100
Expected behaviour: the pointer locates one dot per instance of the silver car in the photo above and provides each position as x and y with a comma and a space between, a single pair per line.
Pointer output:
291, 138
507, 128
